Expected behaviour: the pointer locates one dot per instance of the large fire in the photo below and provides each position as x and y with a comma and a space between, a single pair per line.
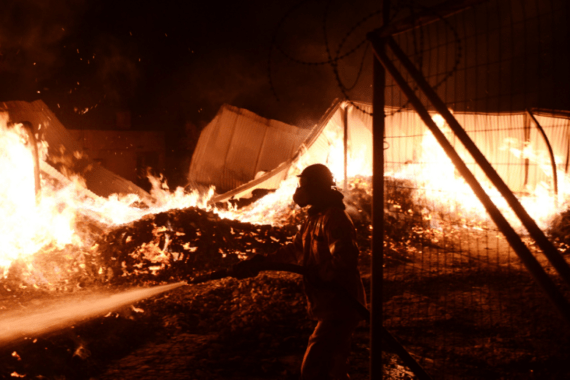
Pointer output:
29, 225
443, 190
32, 225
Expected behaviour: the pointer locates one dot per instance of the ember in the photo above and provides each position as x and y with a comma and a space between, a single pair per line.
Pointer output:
180, 243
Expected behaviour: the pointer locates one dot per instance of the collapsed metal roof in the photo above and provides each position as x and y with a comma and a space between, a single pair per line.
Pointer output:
221, 151
65, 152
237, 146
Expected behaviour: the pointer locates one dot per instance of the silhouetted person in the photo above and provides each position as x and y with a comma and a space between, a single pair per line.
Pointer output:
326, 247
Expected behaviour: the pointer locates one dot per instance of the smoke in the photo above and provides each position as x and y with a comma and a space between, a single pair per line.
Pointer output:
232, 65
189, 60
116, 69
31, 32
61, 52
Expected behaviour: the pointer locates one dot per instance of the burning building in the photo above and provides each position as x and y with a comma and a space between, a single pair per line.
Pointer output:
456, 291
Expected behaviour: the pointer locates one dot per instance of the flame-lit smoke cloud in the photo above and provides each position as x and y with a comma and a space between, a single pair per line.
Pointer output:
230, 63
175, 58
31, 32
116, 70
184, 60
54, 51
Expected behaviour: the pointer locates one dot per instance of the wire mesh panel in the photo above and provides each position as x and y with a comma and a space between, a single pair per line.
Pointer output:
455, 293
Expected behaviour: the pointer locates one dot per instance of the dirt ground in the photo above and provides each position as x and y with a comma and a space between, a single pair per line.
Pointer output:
463, 323
461, 314
225, 329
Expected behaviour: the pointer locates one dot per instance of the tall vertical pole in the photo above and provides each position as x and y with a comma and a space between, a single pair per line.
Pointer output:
526, 123
34, 147
345, 122
376, 318
529, 113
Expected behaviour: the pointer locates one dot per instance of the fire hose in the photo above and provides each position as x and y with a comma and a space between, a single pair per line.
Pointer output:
396, 346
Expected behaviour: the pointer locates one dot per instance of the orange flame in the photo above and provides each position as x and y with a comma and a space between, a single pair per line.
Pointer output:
440, 186
29, 227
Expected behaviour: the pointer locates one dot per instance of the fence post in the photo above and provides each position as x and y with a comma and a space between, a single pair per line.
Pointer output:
345, 143
526, 126
376, 317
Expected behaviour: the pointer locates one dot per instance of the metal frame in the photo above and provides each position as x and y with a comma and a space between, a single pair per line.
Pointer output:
512, 237
376, 288
550, 151
345, 143
535, 232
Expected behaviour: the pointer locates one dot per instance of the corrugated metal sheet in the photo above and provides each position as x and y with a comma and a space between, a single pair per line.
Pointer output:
313, 149
238, 144
98, 179
494, 134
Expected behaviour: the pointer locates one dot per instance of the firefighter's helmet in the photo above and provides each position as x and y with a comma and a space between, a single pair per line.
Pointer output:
318, 175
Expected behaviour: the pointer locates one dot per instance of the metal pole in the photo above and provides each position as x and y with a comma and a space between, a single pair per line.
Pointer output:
425, 17
345, 122
34, 147
526, 124
512, 237
377, 275
535, 232
552, 158
378, 125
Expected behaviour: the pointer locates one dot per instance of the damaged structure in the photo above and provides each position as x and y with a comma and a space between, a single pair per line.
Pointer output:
66, 156
236, 164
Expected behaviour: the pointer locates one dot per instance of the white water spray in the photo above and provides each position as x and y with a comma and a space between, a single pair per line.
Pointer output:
63, 313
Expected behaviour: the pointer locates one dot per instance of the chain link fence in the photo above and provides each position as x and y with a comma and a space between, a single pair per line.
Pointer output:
455, 293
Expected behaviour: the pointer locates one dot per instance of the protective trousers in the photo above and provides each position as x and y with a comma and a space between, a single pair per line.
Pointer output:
328, 350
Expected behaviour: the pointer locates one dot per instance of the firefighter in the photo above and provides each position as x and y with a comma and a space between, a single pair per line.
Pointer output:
326, 248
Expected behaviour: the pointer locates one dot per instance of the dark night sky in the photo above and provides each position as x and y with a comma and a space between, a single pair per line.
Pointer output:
175, 61
172, 64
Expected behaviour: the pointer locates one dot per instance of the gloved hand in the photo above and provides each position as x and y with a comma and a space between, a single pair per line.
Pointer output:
248, 268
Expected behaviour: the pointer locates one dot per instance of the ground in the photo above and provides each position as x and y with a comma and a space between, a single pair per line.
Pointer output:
455, 295
240, 329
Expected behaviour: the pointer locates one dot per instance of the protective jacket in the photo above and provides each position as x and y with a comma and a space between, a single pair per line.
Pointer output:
326, 247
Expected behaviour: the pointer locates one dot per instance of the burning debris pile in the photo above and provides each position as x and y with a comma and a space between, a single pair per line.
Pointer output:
560, 231
175, 245
168, 246
216, 322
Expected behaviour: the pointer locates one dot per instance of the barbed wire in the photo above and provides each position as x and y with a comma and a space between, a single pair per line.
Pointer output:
341, 86
330, 60
360, 70
333, 61
419, 48
274, 43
